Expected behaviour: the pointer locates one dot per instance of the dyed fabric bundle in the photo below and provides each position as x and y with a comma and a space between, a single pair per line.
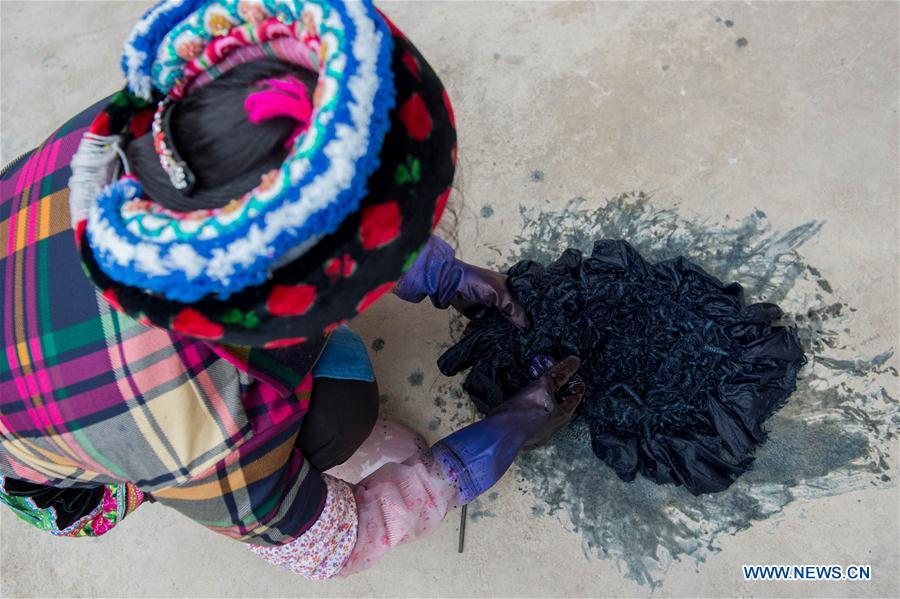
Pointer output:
680, 373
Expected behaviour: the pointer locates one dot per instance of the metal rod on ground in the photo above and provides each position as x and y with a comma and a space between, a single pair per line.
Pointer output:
465, 508
462, 528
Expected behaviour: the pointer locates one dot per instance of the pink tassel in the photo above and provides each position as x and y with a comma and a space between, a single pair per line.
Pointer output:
282, 98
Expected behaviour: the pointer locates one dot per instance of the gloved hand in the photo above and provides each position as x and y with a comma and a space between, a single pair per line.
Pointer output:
558, 391
472, 290
476, 456
481, 289
401, 502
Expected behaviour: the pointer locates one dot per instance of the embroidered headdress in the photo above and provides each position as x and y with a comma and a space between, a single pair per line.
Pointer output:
322, 236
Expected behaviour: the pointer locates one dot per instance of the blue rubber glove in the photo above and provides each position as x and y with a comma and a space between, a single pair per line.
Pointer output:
477, 456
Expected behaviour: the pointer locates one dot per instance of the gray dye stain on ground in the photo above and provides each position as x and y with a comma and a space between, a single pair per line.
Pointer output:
378, 344
478, 510
832, 437
741, 42
487, 211
450, 398
415, 379
537, 176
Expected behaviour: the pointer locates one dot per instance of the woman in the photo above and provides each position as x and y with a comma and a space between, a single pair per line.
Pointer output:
271, 170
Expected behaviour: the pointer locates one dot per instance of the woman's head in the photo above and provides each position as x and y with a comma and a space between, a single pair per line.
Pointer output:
297, 250
214, 135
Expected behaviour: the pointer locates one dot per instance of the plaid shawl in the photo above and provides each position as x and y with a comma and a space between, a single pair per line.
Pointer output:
90, 396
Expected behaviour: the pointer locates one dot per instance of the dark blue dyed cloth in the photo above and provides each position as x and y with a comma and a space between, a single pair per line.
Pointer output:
680, 372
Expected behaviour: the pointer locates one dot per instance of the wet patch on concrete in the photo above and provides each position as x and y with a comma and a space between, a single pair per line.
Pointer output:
487, 211
537, 176
378, 344
832, 437
741, 42
451, 401
478, 510
416, 378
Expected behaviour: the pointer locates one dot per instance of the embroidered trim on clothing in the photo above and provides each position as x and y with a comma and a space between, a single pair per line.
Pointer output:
186, 257
117, 502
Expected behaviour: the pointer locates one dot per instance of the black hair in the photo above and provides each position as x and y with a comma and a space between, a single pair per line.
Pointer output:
211, 132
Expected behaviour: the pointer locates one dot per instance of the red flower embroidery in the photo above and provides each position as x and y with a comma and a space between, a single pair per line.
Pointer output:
415, 117
291, 300
333, 269
284, 342
340, 267
349, 265
100, 525
108, 503
439, 206
412, 63
192, 323
380, 224
218, 49
271, 29
372, 297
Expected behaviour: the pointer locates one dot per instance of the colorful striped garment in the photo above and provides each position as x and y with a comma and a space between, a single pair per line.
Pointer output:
92, 399
90, 396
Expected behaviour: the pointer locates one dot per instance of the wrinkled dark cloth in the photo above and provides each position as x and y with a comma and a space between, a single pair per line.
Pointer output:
70, 503
679, 372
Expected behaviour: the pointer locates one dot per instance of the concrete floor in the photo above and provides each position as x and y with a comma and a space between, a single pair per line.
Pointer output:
743, 121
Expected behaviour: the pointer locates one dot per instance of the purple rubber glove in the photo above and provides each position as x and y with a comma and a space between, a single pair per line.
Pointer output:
564, 410
477, 456
438, 275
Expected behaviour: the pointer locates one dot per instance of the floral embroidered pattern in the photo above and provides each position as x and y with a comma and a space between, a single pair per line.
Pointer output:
185, 54
117, 501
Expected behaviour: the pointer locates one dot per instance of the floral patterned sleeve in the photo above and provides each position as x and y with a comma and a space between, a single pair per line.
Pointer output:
402, 500
360, 523
321, 551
